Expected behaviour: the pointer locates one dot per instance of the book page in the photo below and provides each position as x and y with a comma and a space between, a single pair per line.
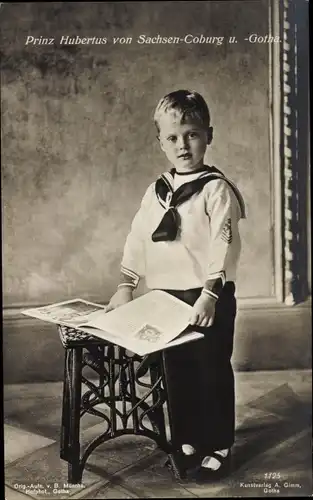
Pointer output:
143, 345
187, 337
71, 312
146, 324
154, 317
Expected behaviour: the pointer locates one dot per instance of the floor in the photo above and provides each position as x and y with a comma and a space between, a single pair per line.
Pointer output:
271, 456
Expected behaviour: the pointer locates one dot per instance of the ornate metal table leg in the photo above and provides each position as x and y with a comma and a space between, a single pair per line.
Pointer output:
64, 446
73, 377
173, 462
133, 396
158, 413
112, 395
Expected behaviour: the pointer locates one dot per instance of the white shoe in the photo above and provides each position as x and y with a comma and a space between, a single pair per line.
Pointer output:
214, 463
187, 449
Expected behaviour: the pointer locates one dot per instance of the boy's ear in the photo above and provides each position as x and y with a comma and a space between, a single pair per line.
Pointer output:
210, 135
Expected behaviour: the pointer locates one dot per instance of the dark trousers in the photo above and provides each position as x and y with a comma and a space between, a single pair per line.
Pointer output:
200, 379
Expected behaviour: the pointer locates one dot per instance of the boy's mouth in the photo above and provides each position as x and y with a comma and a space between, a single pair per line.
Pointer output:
185, 156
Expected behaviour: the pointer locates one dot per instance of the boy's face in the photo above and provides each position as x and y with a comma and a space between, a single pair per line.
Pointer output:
183, 143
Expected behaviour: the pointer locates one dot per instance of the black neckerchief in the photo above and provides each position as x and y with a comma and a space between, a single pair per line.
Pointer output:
168, 228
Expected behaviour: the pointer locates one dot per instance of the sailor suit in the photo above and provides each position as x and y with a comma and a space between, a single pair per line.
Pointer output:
185, 240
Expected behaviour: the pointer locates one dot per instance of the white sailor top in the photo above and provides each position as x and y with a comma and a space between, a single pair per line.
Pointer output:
203, 251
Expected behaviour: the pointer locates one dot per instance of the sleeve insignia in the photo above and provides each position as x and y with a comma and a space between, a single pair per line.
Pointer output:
227, 232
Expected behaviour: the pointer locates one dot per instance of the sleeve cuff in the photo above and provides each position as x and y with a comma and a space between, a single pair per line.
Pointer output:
128, 278
214, 284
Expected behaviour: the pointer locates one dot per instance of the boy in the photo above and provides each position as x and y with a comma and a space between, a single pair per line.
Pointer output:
184, 239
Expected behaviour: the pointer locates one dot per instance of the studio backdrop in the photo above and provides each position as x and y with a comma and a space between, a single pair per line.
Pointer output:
79, 145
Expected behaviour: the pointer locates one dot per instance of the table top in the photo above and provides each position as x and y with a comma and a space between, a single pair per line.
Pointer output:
73, 337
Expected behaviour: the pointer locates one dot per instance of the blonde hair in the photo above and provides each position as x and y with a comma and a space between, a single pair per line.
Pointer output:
187, 104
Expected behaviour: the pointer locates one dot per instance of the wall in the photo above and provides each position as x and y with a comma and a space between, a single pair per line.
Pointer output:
79, 145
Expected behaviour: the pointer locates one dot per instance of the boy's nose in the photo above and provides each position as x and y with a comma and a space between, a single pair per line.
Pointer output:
182, 143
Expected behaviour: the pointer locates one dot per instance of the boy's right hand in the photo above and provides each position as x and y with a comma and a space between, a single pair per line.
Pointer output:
123, 295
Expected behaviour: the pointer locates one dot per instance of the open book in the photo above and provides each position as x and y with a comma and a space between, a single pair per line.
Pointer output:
147, 324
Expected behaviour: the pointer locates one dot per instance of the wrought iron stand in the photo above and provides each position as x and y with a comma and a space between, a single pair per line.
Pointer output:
118, 384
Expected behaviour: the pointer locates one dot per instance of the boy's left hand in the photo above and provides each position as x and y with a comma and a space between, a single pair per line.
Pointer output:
203, 311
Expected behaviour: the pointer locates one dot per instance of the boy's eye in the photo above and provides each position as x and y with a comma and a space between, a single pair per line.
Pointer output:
171, 138
192, 135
